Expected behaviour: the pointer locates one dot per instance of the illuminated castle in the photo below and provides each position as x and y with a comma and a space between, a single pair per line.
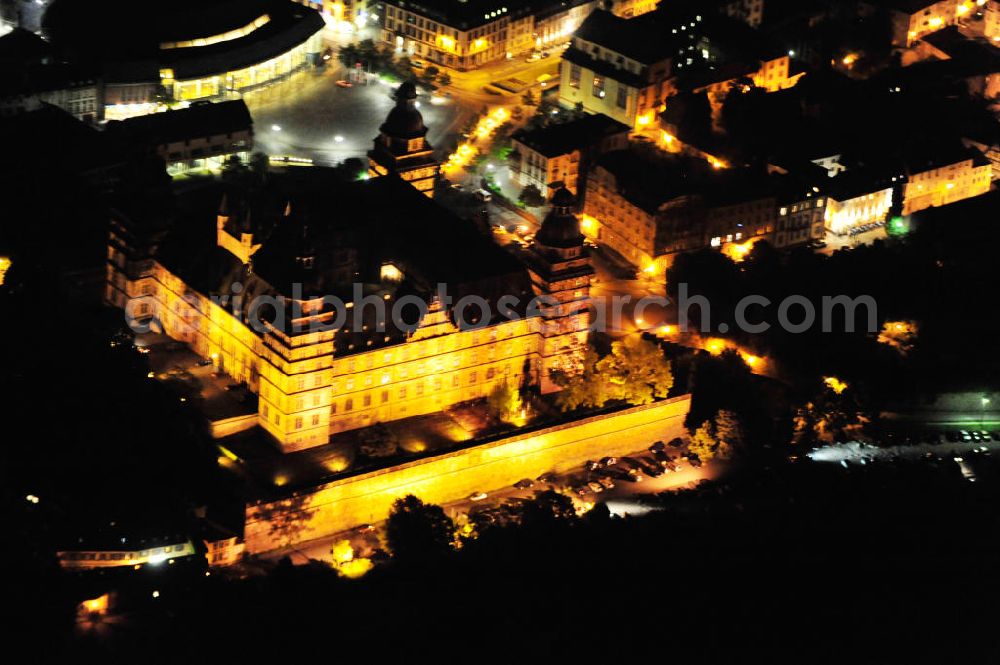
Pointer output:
307, 235
401, 146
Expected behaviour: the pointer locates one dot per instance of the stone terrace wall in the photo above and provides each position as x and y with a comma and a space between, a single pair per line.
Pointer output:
452, 476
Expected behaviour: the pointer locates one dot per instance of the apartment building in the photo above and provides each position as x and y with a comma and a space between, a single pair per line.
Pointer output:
562, 152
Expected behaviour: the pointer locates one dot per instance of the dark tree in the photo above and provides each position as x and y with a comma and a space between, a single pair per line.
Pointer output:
531, 196
418, 530
547, 508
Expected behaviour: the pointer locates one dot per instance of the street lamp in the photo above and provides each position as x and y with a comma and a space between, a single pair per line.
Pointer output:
984, 402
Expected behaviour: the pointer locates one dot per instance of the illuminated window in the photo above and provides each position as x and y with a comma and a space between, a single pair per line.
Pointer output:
574, 76
598, 87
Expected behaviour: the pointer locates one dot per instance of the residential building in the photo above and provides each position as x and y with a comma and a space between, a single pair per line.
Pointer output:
912, 20
622, 67
649, 207
801, 212
991, 21
632, 8
986, 140
937, 177
32, 75
855, 198
562, 152
750, 12
339, 12
202, 136
401, 148
466, 35
741, 208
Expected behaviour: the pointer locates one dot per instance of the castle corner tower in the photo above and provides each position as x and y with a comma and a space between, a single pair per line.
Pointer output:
561, 273
401, 146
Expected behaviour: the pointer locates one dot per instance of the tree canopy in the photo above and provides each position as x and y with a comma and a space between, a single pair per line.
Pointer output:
416, 530
635, 372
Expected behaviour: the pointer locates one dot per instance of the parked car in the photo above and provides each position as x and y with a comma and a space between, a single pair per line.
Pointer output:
591, 465
631, 463
477, 496
606, 482
596, 487
582, 490
608, 461
524, 483
652, 469
657, 447
677, 442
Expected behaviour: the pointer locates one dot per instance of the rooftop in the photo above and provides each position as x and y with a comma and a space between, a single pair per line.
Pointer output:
122, 36
466, 14
184, 124
648, 178
562, 138
349, 230
907, 6
646, 38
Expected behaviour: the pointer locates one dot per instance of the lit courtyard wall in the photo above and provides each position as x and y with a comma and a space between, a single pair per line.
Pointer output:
367, 498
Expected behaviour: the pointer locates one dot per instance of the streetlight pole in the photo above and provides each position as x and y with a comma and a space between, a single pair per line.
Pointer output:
984, 402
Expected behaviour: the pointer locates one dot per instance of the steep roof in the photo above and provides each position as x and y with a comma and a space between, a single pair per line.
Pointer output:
363, 223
